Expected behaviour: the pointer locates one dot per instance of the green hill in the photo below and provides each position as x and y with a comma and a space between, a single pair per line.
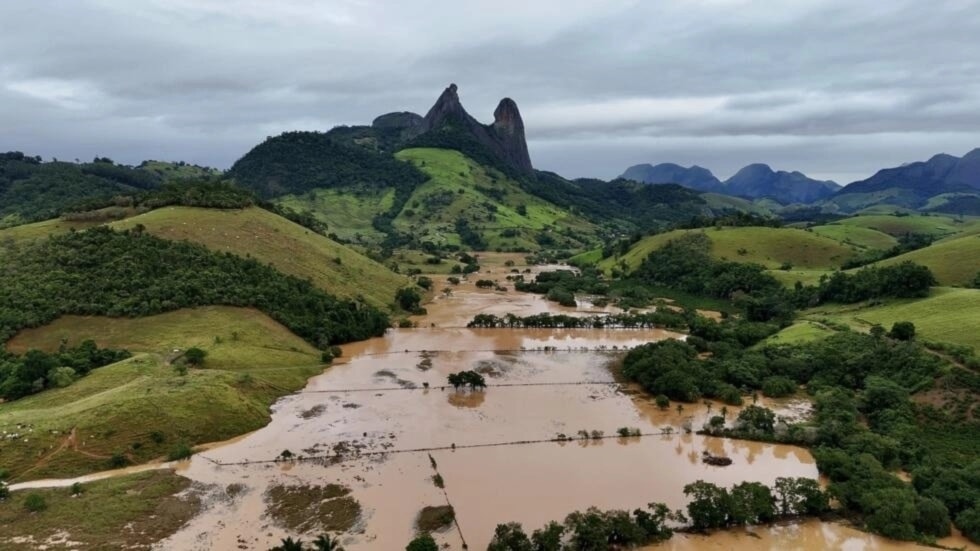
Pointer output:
770, 247
495, 206
954, 260
858, 236
271, 239
934, 225
141, 408
947, 315
31, 190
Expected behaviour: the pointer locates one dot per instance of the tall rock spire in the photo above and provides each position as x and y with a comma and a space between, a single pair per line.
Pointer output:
504, 138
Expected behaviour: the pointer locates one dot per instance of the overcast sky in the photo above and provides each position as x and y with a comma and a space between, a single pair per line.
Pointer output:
834, 88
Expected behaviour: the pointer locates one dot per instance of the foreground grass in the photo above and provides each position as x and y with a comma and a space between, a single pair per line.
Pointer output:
129, 512
271, 239
142, 409
947, 315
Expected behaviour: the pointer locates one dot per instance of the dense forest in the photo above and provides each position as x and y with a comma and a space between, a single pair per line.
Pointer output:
296, 162
104, 272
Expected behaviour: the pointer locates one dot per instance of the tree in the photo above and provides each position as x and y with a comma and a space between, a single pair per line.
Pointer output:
510, 537
751, 503
662, 401
709, 506
195, 356
548, 538
891, 512
408, 299
757, 418
902, 330
289, 544
933, 517
969, 523
422, 543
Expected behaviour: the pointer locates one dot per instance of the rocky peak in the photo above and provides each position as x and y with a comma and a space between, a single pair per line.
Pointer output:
504, 138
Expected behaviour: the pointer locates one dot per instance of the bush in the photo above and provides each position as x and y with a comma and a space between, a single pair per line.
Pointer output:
422, 543
35, 503
77, 489
195, 356
902, 330
778, 386
180, 451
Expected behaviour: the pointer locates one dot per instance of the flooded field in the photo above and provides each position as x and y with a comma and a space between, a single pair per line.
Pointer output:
379, 436
491, 448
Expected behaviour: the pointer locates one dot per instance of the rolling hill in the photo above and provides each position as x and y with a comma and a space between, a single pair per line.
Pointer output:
271, 239
141, 408
770, 247
954, 260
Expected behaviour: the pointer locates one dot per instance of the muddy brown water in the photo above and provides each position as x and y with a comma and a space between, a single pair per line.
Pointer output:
542, 383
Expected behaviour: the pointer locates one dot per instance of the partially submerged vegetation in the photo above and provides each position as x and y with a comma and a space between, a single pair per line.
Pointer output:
313, 509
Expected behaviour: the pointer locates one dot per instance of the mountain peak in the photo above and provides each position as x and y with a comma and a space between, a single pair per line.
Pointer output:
504, 138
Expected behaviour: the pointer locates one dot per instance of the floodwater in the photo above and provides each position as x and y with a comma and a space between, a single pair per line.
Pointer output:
382, 423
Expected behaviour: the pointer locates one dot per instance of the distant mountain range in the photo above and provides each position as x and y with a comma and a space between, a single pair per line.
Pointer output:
755, 181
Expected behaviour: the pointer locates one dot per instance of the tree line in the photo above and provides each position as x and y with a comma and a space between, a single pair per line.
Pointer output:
35, 370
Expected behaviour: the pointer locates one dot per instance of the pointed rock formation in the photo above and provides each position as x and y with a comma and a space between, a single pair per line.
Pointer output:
504, 138
509, 127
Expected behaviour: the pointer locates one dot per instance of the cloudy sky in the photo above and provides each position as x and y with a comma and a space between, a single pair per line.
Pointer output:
834, 88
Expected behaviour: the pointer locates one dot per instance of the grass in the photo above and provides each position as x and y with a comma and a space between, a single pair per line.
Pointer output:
728, 202
806, 277
770, 247
899, 225
460, 187
128, 512
142, 408
800, 332
285, 245
859, 236
946, 315
954, 260
347, 212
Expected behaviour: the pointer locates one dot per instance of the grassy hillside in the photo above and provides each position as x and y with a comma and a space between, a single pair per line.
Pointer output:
799, 332
954, 260
900, 225
949, 315
770, 247
347, 212
271, 239
142, 408
496, 207
859, 236
720, 202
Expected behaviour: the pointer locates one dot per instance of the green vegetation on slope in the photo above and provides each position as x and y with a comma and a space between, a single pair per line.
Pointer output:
954, 260
129, 512
104, 272
858, 236
799, 332
142, 408
893, 225
947, 315
348, 212
31, 190
494, 206
296, 162
273, 240
769, 247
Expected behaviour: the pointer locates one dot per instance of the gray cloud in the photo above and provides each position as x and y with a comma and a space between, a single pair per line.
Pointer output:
835, 88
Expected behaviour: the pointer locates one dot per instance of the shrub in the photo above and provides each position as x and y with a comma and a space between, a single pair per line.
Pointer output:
778, 386
180, 451
195, 356
35, 503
